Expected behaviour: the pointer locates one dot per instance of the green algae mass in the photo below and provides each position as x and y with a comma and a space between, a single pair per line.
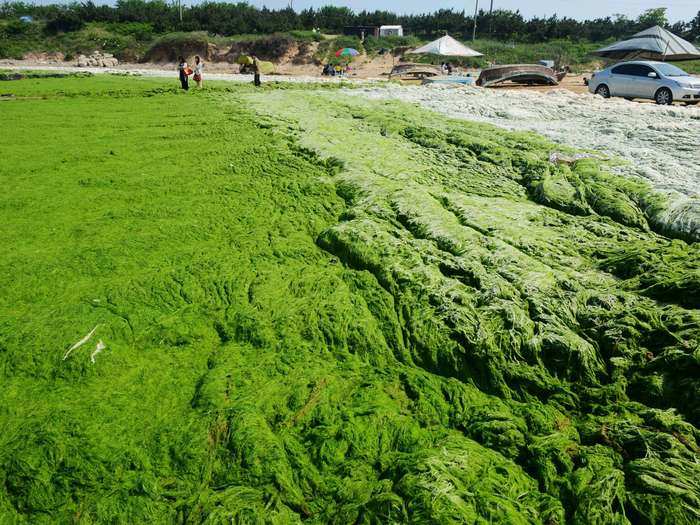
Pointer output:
320, 309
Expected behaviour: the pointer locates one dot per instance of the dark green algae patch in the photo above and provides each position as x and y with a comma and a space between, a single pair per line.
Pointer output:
349, 312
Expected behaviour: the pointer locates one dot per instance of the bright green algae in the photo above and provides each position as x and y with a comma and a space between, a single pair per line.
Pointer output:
331, 311
521, 299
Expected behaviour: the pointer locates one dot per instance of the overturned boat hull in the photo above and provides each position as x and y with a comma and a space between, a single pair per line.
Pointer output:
520, 74
409, 71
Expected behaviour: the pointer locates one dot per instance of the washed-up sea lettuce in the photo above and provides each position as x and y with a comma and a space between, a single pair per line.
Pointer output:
541, 283
317, 310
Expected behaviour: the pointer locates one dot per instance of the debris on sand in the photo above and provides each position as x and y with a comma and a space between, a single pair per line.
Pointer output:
100, 346
97, 59
80, 343
562, 158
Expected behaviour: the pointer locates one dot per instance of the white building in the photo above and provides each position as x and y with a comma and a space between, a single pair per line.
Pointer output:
391, 31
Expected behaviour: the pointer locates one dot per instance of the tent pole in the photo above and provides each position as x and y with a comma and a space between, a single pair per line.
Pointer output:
476, 9
663, 57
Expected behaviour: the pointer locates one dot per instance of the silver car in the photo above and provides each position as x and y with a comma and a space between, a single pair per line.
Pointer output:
659, 81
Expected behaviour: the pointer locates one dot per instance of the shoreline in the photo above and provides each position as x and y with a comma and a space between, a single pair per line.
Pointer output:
155, 72
224, 71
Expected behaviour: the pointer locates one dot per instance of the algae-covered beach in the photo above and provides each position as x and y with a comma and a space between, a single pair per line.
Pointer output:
297, 305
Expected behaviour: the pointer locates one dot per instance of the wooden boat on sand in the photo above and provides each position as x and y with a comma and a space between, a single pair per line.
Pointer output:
529, 74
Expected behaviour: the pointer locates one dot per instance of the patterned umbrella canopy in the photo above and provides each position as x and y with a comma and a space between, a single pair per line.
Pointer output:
347, 52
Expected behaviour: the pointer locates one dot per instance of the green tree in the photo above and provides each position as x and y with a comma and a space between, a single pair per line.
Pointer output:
695, 28
335, 18
653, 17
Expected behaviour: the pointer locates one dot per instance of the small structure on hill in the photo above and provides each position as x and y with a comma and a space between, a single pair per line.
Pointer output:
391, 31
655, 43
361, 31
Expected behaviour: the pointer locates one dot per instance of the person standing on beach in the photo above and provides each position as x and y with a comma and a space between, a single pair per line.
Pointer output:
256, 72
198, 71
184, 74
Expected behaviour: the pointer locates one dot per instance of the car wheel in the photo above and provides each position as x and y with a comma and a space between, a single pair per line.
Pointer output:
664, 97
603, 91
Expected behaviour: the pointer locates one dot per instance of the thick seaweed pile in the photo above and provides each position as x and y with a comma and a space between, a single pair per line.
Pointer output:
332, 312
536, 278
639, 135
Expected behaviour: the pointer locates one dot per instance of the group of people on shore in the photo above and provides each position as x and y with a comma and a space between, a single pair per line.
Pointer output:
185, 71
338, 70
198, 72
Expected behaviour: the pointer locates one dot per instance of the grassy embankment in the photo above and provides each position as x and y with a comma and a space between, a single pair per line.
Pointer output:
131, 42
316, 309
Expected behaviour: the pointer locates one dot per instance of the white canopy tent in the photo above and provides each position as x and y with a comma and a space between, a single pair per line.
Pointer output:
446, 46
655, 43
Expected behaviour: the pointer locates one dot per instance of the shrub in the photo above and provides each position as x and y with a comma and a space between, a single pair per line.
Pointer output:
93, 37
373, 45
64, 22
16, 28
139, 30
273, 47
168, 47
308, 36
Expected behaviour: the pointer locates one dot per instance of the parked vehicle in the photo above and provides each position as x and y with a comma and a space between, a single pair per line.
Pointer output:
658, 81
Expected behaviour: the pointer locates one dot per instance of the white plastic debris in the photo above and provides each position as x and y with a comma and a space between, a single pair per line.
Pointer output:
100, 346
80, 343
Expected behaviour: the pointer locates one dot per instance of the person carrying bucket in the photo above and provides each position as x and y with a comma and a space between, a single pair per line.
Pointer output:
256, 72
184, 72
198, 76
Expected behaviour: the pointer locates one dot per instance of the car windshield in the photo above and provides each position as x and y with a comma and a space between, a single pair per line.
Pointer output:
668, 70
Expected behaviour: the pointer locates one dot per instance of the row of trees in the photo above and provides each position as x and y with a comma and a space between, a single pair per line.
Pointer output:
242, 18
